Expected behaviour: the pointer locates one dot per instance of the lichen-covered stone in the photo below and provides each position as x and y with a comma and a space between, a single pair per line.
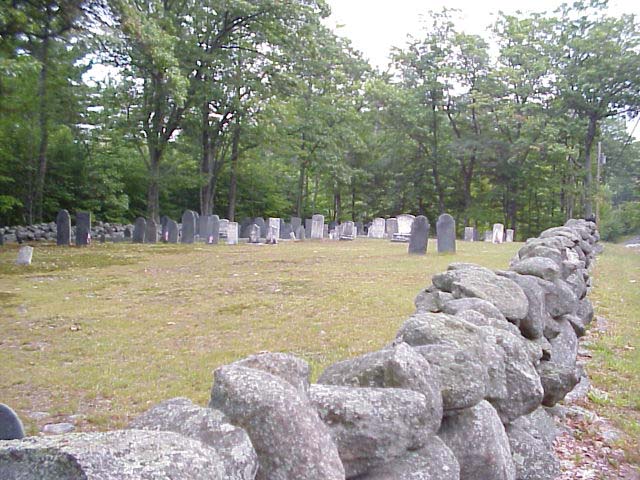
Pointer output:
372, 426
211, 427
532, 325
564, 347
117, 455
541, 267
290, 439
431, 300
533, 459
557, 380
397, 367
478, 440
539, 424
488, 309
288, 367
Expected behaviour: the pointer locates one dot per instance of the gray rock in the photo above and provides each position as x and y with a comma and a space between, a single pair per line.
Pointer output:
10, 424
372, 426
289, 438
58, 428
533, 459
480, 320
559, 298
557, 380
431, 300
435, 461
541, 267
117, 455
577, 283
532, 325
397, 367
479, 442
488, 309
211, 427
564, 347
288, 367
576, 323
540, 425
419, 236
585, 311
553, 254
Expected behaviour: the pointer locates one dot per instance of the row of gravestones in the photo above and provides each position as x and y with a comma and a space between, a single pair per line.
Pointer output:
462, 393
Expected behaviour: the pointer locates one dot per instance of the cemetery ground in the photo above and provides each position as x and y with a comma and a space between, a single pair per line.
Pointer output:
97, 335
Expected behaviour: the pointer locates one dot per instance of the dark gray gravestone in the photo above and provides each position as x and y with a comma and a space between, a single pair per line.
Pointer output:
63, 228
307, 227
301, 233
254, 234
203, 227
1, 238
333, 225
295, 223
10, 424
163, 220
83, 228
446, 232
151, 233
213, 230
347, 231
127, 233
139, 230
419, 236
360, 228
196, 232
263, 226
172, 231
245, 227
188, 226
285, 230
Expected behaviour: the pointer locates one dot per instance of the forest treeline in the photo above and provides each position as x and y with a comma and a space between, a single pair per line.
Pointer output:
257, 108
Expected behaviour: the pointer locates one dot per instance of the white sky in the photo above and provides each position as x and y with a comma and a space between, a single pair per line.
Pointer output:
374, 26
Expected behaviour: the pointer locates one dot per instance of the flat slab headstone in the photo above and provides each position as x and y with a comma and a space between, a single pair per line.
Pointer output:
172, 231
63, 228
469, 234
25, 254
139, 230
254, 234
419, 236
285, 230
377, 228
391, 227
510, 235
263, 226
274, 225
498, 233
488, 235
317, 227
188, 226
348, 231
83, 228
295, 223
245, 226
446, 233
151, 232
223, 228
405, 223
307, 227
232, 233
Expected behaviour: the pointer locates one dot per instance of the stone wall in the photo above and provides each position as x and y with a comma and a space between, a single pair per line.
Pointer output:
46, 232
460, 393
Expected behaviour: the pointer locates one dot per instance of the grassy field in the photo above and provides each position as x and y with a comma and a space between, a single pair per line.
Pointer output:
106, 331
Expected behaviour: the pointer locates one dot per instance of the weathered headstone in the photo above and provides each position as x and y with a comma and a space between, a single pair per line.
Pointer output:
254, 234
139, 230
295, 223
196, 232
307, 227
498, 233
446, 232
488, 235
301, 233
419, 236
285, 230
360, 228
63, 228
223, 228
317, 227
333, 225
510, 235
405, 223
469, 234
151, 233
263, 226
172, 231
127, 233
245, 227
25, 254
232, 233
83, 228
391, 227
163, 220
325, 231
213, 229
1, 238
347, 231
274, 227
10, 425
377, 228
188, 226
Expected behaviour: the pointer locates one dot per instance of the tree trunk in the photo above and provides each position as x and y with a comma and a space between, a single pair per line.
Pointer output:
43, 115
300, 192
205, 162
153, 190
588, 177
235, 154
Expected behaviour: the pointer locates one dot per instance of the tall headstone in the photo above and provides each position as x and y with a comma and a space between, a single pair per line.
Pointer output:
25, 254
377, 228
127, 233
263, 226
245, 227
188, 226
469, 234
285, 230
196, 232
360, 228
223, 228
213, 231
232, 233
151, 233
1, 238
446, 232
405, 223
325, 230
63, 228
172, 231
83, 228
391, 227
307, 227
510, 235
317, 227
498, 233
301, 233
295, 223
139, 230
347, 232
254, 234
163, 220
419, 236
274, 227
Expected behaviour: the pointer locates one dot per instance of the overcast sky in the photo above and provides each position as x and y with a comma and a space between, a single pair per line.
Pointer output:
374, 26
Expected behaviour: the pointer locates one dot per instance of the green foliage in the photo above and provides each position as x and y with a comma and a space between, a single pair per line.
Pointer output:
621, 221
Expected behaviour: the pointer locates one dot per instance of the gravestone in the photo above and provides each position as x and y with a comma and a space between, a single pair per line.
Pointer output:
151, 233
25, 254
163, 220
254, 234
263, 226
223, 228
83, 228
405, 223
272, 236
317, 227
347, 232
510, 235
274, 227
333, 225
188, 226
127, 233
1, 238
307, 227
139, 230
213, 230
232, 233
285, 230
391, 227
295, 223
245, 227
377, 228
196, 232
325, 231
172, 231
301, 233
202, 227
469, 234
360, 228
419, 236
488, 235
498, 233
446, 232
63, 228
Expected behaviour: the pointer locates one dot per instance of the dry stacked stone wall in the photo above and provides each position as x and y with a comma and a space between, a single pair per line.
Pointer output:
460, 393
